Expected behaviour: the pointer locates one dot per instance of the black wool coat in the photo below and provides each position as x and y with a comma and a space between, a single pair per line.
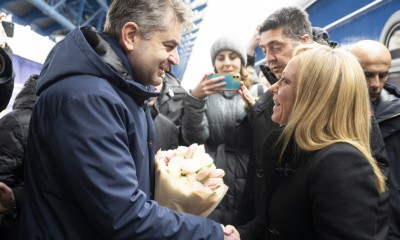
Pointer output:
327, 194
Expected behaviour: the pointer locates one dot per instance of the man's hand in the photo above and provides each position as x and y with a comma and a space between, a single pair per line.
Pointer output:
6, 198
253, 42
230, 233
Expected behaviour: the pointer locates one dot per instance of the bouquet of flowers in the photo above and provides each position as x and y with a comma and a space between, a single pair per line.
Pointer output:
188, 181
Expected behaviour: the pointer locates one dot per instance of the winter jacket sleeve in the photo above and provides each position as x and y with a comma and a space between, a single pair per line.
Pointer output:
7, 76
380, 155
388, 117
251, 214
194, 121
167, 133
96, 159
13, 135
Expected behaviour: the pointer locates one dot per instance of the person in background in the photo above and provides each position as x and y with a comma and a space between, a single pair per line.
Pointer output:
321, 36
13, 136
280, 33
251, 53
89, 170
170, 102
7, 74
167, 133
251, 47
261, 87
260, 83
211, 116
335, 152
375, 59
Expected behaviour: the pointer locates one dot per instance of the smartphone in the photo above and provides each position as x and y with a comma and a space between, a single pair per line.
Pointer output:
232, 81
269, 75
8, 28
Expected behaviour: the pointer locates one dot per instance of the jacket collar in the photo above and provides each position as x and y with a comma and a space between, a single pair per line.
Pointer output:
112, 54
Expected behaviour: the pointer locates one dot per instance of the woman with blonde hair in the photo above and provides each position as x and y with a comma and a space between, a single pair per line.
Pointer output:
327, 183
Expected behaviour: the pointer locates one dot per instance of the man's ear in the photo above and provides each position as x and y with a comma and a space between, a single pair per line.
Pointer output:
129, 36
305, 38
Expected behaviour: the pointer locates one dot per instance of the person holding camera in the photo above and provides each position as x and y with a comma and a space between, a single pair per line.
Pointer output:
211, 118
13, 136
7, 74
7, 199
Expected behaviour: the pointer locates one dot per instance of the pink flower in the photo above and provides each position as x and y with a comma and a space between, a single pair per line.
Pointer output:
204, 173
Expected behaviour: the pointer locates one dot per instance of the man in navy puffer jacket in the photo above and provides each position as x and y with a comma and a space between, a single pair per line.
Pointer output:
90, 154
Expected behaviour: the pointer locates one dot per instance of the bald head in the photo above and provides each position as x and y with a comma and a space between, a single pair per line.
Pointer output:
369, 51
375, 59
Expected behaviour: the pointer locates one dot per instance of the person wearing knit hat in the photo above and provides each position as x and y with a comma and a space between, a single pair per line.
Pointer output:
211, 116
228, 56
228, 42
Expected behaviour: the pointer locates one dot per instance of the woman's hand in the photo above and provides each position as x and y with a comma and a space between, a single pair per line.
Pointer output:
208, 87
246, 95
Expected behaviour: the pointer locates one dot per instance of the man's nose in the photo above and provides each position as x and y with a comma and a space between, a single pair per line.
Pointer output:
374, 81
269, 57
174, 57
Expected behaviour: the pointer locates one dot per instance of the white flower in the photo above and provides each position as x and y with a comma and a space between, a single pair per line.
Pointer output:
187, 180
192, 166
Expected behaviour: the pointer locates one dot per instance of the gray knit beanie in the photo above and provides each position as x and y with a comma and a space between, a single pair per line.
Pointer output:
228, 42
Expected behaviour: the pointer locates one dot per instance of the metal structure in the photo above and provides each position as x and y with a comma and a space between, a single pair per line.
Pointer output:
56, 18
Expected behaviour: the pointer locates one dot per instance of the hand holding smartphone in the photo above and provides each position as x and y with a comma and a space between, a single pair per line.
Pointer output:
232, 81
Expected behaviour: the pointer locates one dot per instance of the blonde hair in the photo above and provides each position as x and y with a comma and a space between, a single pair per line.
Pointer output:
246, 77
332, 97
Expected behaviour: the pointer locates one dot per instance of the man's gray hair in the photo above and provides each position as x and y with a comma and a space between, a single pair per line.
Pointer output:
149, 15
